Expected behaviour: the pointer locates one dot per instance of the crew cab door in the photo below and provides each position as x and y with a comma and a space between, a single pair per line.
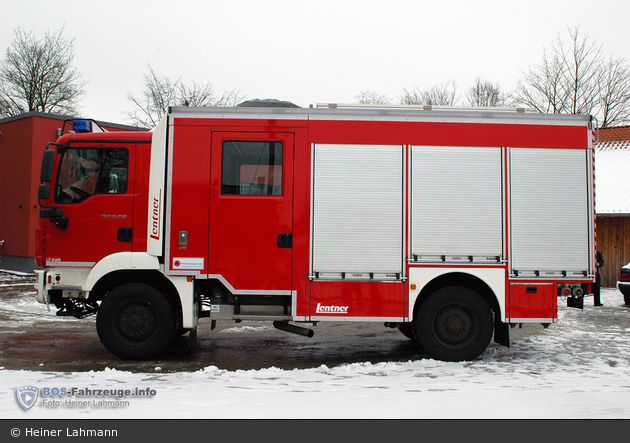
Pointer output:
251, 211
94, 190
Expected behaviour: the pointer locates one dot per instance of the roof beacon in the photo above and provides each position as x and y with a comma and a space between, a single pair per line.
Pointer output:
82, 126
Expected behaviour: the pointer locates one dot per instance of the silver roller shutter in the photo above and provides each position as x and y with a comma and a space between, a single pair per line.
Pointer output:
549, 231
357, 224
456, 204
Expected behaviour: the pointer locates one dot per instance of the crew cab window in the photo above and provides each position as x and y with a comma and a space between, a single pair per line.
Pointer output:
251, 168
84, 172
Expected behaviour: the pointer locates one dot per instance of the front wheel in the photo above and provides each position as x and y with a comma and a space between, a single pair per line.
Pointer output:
454, 324
135, 321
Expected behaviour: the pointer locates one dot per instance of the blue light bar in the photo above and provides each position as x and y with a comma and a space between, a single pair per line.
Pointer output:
82, 126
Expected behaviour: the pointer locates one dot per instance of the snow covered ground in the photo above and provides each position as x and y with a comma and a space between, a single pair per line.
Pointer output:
578, 368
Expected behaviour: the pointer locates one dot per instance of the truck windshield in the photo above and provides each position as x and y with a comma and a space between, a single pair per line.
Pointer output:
84, 172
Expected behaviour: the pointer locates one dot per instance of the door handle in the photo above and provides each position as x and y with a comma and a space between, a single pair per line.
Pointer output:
125, 235
285, 241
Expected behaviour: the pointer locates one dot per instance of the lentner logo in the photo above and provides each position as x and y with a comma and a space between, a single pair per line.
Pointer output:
155, 217
331, 309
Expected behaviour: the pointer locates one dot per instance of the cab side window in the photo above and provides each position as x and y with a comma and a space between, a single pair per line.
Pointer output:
84, 172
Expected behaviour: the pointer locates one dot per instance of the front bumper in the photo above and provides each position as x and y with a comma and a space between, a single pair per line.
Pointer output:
40, 286
624, 287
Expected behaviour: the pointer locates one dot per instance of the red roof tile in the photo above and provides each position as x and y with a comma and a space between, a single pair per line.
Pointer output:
617, 133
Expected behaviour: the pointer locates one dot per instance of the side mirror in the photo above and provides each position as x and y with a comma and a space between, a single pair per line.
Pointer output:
43, 192
56, 217
50, 212
48, 164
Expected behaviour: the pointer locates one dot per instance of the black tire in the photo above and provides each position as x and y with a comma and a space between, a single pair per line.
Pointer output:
454, 324
135, 322
626, 298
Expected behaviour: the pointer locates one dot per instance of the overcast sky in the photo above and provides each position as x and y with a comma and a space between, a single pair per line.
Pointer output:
308, 52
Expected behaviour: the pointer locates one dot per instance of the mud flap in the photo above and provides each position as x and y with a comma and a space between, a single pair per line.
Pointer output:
575, 302
501, 332
192, 339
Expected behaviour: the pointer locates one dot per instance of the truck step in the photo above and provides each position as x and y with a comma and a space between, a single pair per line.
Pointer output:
263, 317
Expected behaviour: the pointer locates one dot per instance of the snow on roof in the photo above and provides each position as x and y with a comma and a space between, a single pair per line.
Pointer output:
612, 171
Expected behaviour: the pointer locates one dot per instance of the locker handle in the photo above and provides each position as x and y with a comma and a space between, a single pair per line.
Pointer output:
285, 240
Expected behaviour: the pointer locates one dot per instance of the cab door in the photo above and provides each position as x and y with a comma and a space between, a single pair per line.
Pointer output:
251, 211
96, 195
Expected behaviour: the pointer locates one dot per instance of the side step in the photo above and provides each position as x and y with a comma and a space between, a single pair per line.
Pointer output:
263, 317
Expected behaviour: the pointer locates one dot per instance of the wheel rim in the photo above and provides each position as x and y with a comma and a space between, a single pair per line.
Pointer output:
136, 321
453, 326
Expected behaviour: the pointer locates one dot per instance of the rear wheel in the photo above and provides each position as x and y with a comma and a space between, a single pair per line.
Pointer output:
135, 321
454, 324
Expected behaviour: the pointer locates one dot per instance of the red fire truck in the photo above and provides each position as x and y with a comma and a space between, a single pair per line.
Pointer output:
449, 224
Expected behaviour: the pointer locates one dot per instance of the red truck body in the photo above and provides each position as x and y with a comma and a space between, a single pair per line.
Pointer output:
448, 224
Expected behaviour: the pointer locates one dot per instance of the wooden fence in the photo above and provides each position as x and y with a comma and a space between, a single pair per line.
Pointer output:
613, 240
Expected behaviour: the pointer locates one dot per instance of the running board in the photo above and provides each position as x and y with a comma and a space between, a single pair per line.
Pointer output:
263, 317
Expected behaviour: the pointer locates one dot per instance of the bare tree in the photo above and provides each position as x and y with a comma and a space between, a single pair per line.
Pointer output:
230, 98
441, 95
372, 98
485, 93
614, 95
37, 75
4, 107
160, 92
190, 95
413, 97
576, 78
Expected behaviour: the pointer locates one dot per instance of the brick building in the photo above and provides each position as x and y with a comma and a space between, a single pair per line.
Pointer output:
612, 205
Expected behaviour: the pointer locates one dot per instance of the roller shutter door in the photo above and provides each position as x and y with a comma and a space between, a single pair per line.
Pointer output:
456, 204
549, 214
357, 224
